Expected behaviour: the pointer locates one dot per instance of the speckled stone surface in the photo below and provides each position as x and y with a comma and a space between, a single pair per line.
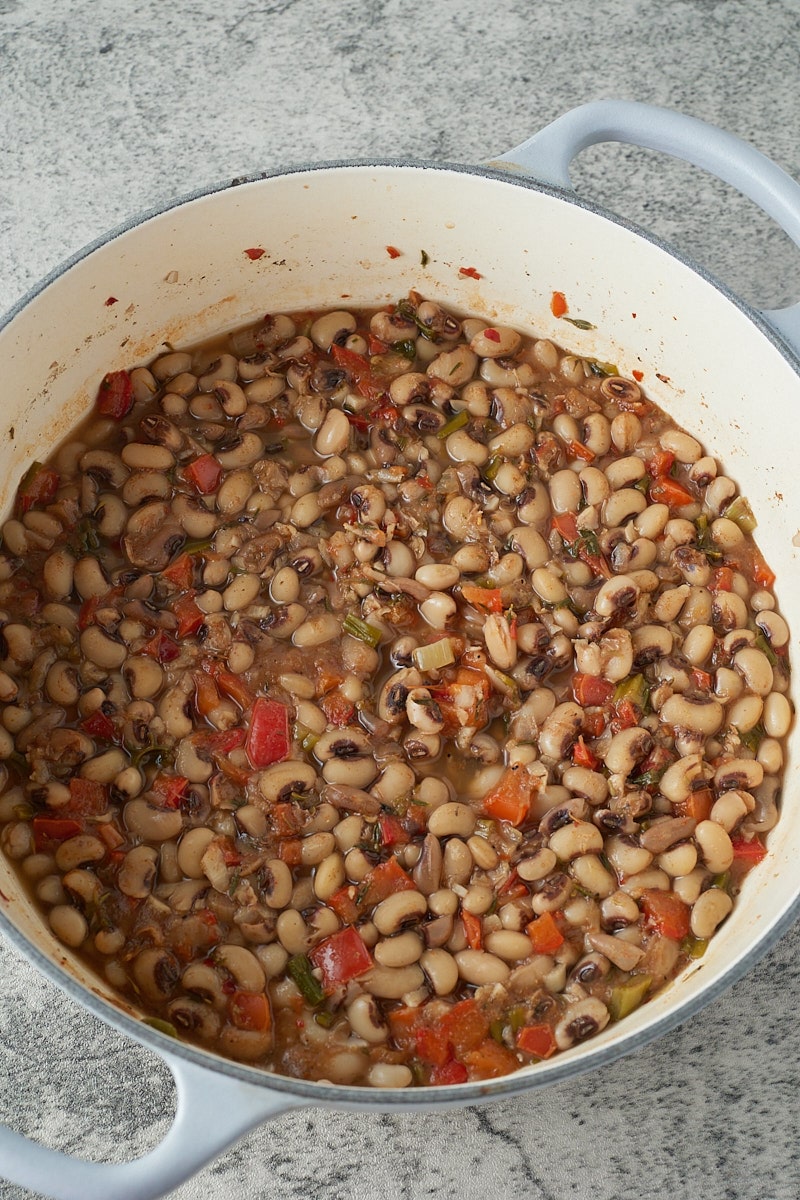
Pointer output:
110, 108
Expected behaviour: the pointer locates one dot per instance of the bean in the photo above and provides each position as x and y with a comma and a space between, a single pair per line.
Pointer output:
292, 932
399, 951
701, 715
715, 846
438, 609
392, 983
777, 715
391, 914
143, 676
437, 576
76, 851
366, 1020
745, 713
69, 925
191, 849
99, 648
104, 768
329, 876
143, 456
590, 873
754, 667
441, 970
333, 436
484, 854
317, 630
678, 860
508, 945
770, 756
479, 967
152, 824
708, 911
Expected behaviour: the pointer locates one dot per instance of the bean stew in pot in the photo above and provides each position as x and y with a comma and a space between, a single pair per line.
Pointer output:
386, 698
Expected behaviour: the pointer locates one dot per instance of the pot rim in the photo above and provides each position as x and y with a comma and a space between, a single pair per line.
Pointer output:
574, 1062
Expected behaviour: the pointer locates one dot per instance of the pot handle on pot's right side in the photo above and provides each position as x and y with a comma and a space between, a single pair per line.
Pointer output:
548, 155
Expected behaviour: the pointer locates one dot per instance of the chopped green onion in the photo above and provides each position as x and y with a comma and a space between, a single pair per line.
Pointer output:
643, 484
362, 630
433, 656
309, 741
162, 1026
492, 467
721, 881
300, 971
424, 257
628, 996
602, 368
587, 541
408, 348
325, 1019
457, 422
197, 546
579, 322
648, 779
740, 512
496, 1029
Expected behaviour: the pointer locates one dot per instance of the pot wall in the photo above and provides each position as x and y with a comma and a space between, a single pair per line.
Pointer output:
183, 276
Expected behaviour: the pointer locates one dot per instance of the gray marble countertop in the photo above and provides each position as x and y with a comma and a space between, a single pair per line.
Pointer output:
112, 108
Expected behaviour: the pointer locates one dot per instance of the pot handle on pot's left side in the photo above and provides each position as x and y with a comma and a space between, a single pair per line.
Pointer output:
213, 1112
548, 155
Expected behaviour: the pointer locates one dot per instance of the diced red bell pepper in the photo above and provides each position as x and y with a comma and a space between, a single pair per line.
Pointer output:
510, 798
98, 725
234, 687
701, 679
169, 790
341, 957
660, 464
204, 474
537, 1040
392, 832
751, 852
38, 486
250, 1011
162, 648
490, 1060
722, 579
449, 1073
190, 618
268, 739
591, 690
582, 756
763, 574
180, 573
206, 696
579, 450
53, 829
626, 715
670, 492
545, 935
566, 526
358, 368
485, 599
558, 304
431, 1047
473, 930
665, 912
465, 1025
698, 804
343, 903
86, 798
115, 395
337, 708
109, 834
88, 610
384, 880
403, 1024
290, 851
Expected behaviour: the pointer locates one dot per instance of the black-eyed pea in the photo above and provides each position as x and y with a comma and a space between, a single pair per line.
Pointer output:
292, 931
626, 856
392, 983
580, 1021
576, 838
728, 684
441, 969
639, 882
744, 773
323, 819
745, 713
329, 876
332, 327
777, 715
714, 845
150, 823
273, 959
698, 644
348, 832
137, 872
478, 899
399, 951
686, 449
508, 945
243, 965
479, 967
61, 683
191, 849
398, 910
357, 866
626, 749
618, 911
69, 925
596, 488
625, 472
316, 847
366, 1020
537, 866
770, 756
615, 948
276, 885
248, 1045
457, 864
452, 819
78, 850
754, 667
464, 449
333, 436
688, 887
443, 902
678, 860
144, 676
622, 506
626, 429
437, 576
49, 889
702, 715
731, 808
16, 839
708, 911
590, 873
484, 854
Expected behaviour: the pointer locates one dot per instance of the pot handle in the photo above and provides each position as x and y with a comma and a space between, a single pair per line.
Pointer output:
548, 155
213, 1111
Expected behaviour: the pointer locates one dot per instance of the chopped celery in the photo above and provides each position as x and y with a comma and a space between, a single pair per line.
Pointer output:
362, 630
763, 645
740, 512
635, 689
628, 995
455, 423
579, 323
721, 881
492, 467
694, 947
752, 738
300, 971
496, 1029
325, 1019
435, 655
162, 1026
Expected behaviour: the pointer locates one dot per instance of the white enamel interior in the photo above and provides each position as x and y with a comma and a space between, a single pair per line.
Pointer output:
183, 275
